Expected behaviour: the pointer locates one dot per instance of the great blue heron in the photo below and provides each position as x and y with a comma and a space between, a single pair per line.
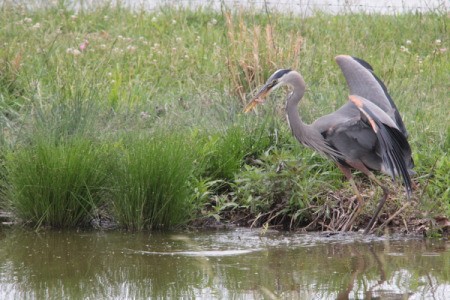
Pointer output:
366, 134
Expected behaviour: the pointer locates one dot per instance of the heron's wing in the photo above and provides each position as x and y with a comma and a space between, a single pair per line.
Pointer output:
363, 82
344, 126
347, 113
353, 138
394, 147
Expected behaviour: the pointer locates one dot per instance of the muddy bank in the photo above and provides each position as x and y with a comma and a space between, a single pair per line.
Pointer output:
395, 218
403, 218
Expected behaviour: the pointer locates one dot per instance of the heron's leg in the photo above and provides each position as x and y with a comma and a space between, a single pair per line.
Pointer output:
348, 174
360, 166
380, 204
348, 225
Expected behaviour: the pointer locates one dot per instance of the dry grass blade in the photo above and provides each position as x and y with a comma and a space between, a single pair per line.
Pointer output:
252, 55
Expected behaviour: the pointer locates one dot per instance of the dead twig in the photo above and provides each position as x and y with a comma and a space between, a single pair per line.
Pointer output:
393, 216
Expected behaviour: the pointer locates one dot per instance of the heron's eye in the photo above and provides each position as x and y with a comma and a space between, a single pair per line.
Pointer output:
273, 83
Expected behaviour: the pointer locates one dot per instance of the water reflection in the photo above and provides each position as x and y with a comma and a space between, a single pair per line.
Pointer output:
227, 264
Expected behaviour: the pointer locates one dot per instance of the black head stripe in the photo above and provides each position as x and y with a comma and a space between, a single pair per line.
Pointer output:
278, 74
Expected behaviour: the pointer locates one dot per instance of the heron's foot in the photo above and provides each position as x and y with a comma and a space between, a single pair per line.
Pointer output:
369, 228
377, 211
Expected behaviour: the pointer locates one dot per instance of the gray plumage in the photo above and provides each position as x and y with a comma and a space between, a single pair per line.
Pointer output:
367, 133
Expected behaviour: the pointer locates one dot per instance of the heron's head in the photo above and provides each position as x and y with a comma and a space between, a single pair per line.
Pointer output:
276, 80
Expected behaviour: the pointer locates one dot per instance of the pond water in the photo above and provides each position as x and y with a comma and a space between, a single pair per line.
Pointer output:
231, 264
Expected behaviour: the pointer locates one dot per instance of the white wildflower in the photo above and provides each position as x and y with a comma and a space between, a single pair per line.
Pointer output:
117, 50
403, 49
131, 48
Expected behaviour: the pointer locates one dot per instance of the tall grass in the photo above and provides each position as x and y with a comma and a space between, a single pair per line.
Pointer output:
58, 185
253, 50
151, 181
222, 153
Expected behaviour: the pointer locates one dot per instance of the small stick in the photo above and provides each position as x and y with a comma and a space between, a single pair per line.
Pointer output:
395, 214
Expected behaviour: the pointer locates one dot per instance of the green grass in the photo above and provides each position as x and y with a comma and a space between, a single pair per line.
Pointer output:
58, 185
222, 152
151, 181
194, 69
281, 190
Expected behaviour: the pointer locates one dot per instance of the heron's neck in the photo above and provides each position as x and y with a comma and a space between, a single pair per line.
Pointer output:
306, 134
299, 129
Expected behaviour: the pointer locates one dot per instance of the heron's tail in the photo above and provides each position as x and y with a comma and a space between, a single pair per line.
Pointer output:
394, 151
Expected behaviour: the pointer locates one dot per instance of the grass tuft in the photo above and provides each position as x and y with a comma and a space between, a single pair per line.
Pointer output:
151, 181
56, 185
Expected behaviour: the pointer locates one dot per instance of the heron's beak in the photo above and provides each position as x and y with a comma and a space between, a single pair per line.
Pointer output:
253, 104
259, 98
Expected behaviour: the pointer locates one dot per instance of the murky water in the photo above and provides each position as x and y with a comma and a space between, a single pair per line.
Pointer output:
234, 264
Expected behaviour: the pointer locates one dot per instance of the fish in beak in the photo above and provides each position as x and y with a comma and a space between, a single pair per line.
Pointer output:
259, 98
